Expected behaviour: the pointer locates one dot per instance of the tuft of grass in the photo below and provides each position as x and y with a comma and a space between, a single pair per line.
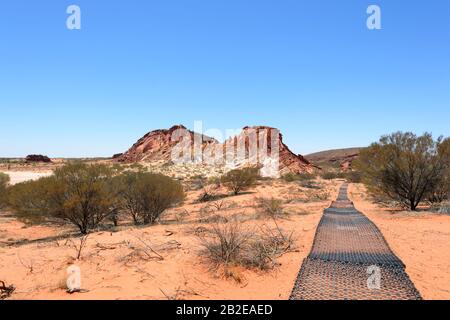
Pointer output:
330, 175
291, 177
444, 209
6, 291
229, 246
271, 206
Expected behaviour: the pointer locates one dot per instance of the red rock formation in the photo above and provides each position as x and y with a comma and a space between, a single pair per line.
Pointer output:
347, 163
288, 161
159, 144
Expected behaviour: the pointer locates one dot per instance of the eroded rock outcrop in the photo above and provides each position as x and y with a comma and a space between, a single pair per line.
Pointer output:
272, 153
260, 146
158, 145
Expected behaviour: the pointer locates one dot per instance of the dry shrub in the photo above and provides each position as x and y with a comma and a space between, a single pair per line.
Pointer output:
6, 291
353, 176
314, 196
179, 294
310, 184
226, 244
271, 206
266, 246
78, 246
321, 196
205, 212
330, 175
210, 189
180, 216
230, 245
209, 193
219, 205
444, 209
215, 218
291, 177
140, 250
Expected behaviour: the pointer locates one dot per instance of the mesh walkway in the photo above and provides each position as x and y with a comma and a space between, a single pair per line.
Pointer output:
347, 250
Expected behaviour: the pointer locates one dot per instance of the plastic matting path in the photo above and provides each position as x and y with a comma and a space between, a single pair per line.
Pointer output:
351, 260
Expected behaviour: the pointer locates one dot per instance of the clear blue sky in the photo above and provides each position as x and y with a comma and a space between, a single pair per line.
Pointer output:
310, 68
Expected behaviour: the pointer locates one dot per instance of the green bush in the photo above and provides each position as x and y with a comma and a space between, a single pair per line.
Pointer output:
353, 176
405, 167
4, 179
78, 193
240, 179
330, 175
441, 191
291, 177
145, 196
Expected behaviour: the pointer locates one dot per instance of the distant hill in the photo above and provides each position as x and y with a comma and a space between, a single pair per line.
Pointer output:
337, 158
332, 155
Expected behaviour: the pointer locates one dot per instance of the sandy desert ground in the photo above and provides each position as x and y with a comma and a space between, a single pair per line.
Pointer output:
115, 264
22, 176
118, 264
421, 240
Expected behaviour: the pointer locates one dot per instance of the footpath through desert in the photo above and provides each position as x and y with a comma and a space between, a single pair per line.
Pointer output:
348, 252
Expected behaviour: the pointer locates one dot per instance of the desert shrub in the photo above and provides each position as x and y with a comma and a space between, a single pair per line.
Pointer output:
209, 193
214, 218
137, 167
77, 193
353, 176
405, 167
228, 240
231, 245
240, 179
444, 209
441, 192
214, 181
329, 175
6, 291
117, 168
29, 200
196, 182
321, 196
265, 247
310, 184
290, 177
145, 196
271, 206
4, 179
